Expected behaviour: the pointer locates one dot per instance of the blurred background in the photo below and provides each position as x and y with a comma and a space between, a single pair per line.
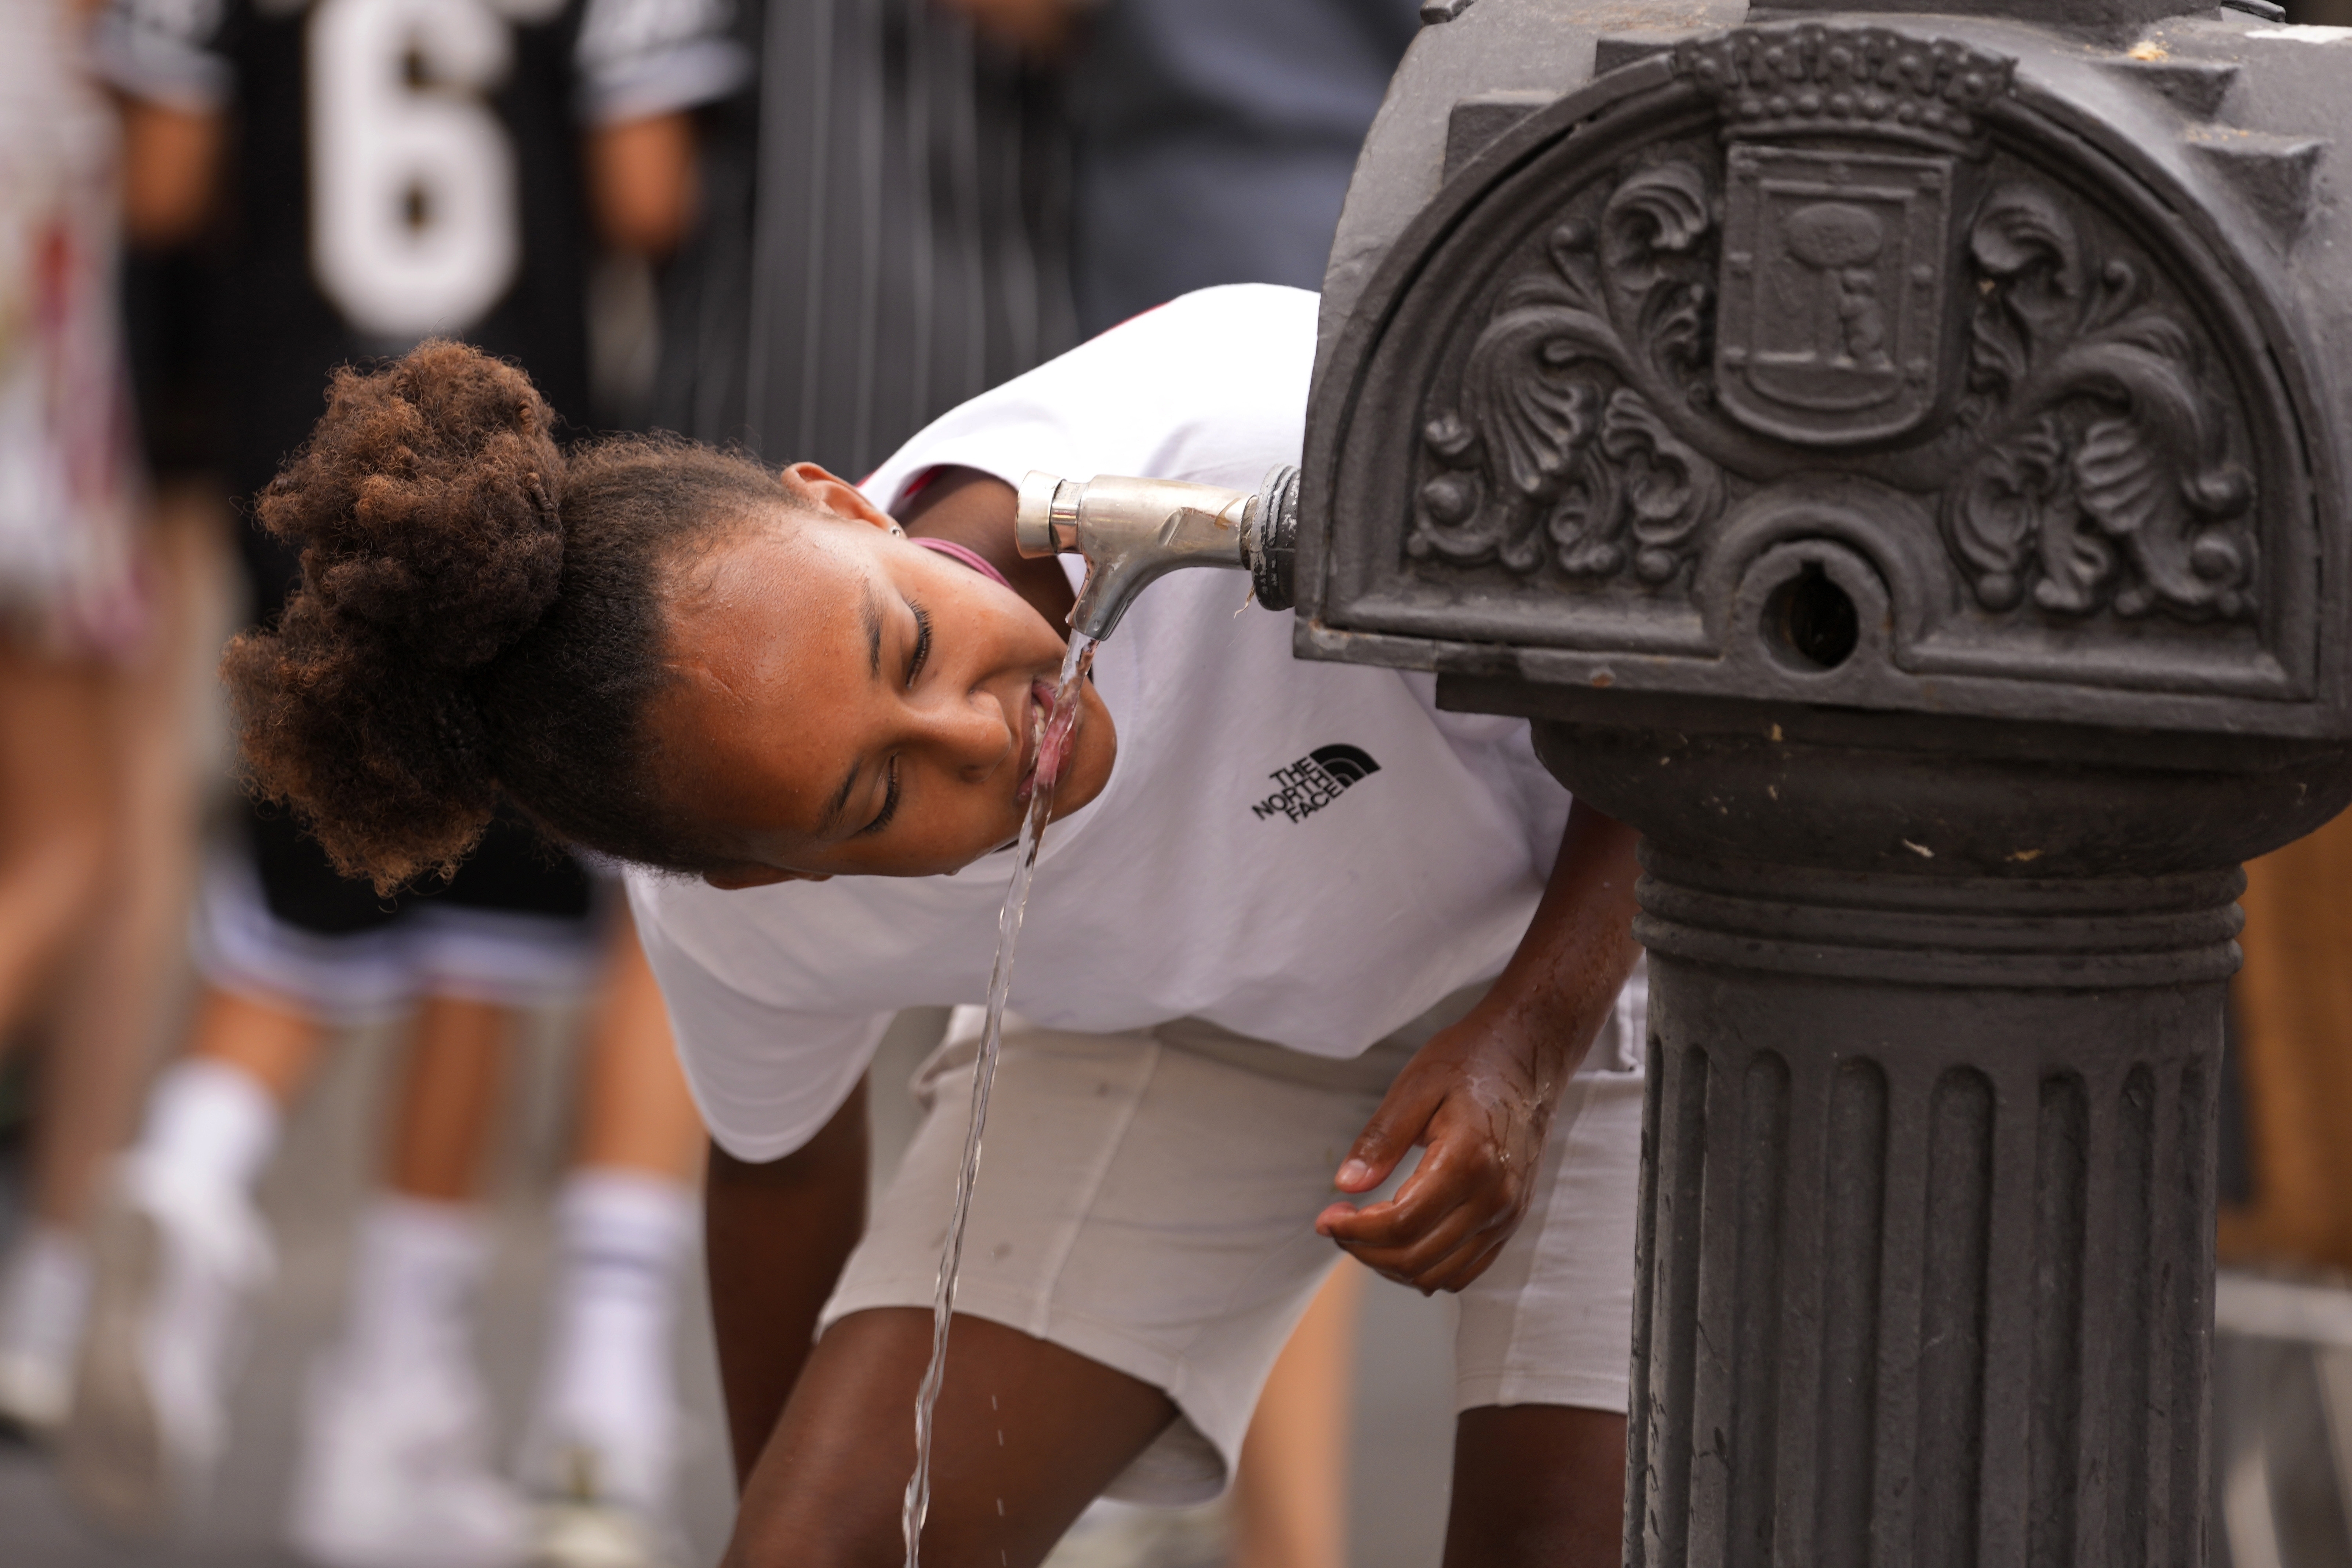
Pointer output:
350, 1231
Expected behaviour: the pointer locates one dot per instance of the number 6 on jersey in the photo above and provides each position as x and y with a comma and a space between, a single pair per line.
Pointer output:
413, 221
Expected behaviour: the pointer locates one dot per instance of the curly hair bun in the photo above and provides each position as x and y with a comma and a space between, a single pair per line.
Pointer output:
426, 503
426, 511
455, 644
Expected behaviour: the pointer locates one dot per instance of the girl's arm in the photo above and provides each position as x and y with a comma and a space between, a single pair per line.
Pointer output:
777, 1236
1480, 1095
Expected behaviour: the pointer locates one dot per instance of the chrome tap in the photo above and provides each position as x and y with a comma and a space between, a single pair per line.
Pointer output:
1133, 532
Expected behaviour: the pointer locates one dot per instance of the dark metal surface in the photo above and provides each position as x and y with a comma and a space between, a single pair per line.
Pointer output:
1271, 542
2087, 16
1898, 460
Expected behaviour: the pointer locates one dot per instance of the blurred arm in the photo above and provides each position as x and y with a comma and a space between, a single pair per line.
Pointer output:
642, 182
1039, 27
777, 1236
171, 172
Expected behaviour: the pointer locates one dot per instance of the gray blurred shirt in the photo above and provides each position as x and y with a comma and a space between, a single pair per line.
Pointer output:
1214, 141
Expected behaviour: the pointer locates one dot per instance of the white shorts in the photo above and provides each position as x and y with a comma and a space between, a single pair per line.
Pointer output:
1148, 1200
502, 958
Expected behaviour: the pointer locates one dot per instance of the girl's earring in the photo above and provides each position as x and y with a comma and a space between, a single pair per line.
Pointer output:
896, 532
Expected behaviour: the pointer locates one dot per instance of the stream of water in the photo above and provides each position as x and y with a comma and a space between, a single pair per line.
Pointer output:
1052, 742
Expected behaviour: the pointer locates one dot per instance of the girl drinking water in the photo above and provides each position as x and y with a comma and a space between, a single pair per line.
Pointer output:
1291, 921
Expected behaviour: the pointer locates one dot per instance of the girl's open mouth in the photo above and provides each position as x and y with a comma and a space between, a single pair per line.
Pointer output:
1051, 749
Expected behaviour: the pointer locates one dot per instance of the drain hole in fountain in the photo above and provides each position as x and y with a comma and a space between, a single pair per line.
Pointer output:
1811, 622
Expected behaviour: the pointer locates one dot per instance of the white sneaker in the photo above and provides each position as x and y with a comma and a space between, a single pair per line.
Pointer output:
177, 1263
601, 1535
393, 1474
604, 1488
44, 1302
36, 1393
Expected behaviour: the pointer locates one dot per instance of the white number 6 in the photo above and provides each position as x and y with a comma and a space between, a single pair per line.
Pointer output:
413, 221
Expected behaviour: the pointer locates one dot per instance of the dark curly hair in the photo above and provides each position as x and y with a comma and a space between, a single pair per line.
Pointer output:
479, 618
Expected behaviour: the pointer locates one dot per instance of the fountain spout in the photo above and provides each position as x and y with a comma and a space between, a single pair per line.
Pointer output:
1133, 532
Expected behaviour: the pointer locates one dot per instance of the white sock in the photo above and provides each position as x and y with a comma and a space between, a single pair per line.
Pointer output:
411, 1290
43, 1294
209, 1121
608, 1380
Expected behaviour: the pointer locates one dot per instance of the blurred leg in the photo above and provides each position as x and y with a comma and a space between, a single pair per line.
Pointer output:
271, 1042
634, 1112
1536, 1486
180, 1253
449, 1098
57, 784
1290, 1494
106, 1016
394, 1465
107, 1019
604, 1426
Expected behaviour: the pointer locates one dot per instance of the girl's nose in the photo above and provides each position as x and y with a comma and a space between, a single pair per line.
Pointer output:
973, 734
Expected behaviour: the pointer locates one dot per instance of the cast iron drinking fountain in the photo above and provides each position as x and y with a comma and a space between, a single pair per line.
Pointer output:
1897, 462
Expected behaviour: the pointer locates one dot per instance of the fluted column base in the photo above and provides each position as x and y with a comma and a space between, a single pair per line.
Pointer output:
1927, 1218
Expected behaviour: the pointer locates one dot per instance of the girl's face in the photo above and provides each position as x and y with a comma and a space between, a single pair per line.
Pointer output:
850, 703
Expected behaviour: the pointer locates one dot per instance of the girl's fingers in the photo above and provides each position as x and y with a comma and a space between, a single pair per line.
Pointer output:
1463, 1268
1441, 1243
1462, 1167
1472, 1258
1403, 1111
1439, 1185
1407, 1262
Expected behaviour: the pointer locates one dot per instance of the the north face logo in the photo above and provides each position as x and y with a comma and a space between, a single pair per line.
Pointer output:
1315, 781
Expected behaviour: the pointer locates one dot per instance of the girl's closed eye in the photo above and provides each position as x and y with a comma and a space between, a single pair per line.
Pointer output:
917, 658
922, 653
889, 804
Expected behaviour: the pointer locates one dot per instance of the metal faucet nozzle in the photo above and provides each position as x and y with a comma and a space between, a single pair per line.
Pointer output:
1132, 531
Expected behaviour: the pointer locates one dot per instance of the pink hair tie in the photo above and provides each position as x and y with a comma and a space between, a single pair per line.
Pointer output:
970, 558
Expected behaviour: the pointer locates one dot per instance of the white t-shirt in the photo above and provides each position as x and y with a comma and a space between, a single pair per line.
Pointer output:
1304, 852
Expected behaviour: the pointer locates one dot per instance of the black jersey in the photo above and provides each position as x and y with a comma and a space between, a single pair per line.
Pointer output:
404, 169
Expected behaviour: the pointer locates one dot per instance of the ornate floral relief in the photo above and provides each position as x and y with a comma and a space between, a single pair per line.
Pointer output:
2104, 479
1800, 287
1553, 442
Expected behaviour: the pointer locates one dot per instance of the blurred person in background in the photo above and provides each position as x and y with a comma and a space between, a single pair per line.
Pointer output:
884, 234
1213, 140
371, 172
101, 591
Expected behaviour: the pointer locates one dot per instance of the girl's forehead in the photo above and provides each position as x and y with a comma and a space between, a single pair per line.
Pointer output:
765, 574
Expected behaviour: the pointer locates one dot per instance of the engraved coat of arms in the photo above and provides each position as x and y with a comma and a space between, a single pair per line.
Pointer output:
1835, 289
1842, 227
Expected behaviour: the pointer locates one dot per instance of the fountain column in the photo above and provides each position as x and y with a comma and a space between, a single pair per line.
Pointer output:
1897, 461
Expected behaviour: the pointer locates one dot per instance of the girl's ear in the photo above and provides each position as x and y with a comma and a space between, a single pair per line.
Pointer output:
836, 495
